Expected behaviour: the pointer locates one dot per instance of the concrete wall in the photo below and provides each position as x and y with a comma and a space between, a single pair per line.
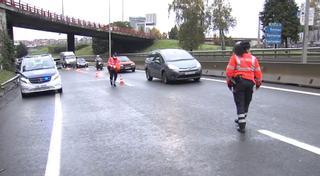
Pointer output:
288, 73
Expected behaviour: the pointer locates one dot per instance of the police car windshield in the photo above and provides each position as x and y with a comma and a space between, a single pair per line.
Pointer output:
38, 63
175, 55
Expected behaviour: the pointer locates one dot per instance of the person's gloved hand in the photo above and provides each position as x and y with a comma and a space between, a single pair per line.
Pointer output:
258, 84
230, 85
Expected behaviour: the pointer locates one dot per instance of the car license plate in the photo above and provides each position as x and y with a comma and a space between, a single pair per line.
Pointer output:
190, 73
41, 86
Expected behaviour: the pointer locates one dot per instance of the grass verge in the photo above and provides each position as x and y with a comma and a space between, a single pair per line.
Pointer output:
5, 75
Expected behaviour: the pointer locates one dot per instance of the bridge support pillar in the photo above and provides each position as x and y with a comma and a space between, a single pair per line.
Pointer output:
70, 41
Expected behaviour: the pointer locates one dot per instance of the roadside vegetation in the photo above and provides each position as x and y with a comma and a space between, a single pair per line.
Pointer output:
5, 75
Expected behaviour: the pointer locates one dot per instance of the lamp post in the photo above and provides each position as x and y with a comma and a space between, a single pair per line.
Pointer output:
109, 31
305, 32
122, 10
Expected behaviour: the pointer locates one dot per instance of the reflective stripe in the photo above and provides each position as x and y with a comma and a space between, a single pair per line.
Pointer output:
245, 69
238, 63
242, 121
252, 68
252, 62
241, 116
231, 67
258, 69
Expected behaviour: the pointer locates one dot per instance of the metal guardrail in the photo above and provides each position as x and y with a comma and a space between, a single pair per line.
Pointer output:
29, 9
279, 55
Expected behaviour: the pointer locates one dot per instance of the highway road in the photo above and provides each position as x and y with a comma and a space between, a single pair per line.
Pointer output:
149, 128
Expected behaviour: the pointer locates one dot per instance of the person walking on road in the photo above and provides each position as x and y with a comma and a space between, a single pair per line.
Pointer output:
113, 68
243, 72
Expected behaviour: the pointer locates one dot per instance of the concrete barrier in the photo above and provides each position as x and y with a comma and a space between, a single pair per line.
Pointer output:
285, 73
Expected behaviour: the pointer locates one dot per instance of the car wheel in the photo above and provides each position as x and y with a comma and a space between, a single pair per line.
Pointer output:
133, 70
196, 79
60, 91
149, 78
165, 78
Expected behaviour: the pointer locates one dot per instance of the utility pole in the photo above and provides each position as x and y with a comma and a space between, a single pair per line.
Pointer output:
258, 39
109, 30
306, 32
122, 10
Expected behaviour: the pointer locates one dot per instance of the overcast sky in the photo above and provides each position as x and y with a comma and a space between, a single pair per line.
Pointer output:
245, 11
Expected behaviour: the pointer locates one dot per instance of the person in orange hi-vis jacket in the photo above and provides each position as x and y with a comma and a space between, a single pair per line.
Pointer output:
243, 72
113, 68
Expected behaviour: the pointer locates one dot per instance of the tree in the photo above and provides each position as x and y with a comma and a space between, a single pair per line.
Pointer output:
164, 35
173, 34
21, 50
219, 18
122, 24
190, 18
99, 46
284, 12
6, 49
155, 32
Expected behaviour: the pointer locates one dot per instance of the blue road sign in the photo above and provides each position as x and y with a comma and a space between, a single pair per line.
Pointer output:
273, 33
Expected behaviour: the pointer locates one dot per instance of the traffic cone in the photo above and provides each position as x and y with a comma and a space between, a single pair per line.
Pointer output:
121, 81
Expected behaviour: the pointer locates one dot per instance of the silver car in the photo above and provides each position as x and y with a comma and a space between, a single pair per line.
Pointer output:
38, 74
172, 65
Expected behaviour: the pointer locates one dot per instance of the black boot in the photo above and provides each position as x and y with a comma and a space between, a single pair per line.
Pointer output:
111, 82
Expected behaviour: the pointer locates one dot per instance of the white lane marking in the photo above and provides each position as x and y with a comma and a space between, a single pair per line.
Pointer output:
141, 71
272, 88
53, 162
291, 141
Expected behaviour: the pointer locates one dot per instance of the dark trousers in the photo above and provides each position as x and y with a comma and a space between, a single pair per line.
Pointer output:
113, 75
242, 95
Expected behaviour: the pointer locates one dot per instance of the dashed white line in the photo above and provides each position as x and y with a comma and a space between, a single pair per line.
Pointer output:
272, 88
291, 141
54, 155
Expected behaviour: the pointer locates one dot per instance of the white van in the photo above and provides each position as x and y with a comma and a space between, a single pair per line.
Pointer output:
68, 59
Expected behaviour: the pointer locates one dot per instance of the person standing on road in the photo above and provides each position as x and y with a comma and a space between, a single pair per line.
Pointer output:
243, 72
113, 68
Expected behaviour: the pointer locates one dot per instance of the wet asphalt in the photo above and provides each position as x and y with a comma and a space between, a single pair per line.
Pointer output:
149, 128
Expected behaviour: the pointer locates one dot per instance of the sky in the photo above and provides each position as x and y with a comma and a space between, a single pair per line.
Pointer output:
246, 13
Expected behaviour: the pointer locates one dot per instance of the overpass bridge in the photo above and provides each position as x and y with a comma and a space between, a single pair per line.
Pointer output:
24, 15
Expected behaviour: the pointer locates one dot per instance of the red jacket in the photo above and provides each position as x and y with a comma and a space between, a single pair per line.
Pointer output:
247, 66
114, 63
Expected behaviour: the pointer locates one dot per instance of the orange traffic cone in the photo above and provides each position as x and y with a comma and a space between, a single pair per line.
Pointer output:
121, 81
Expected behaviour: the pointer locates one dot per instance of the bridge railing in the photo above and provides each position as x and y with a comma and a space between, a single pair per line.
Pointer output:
280, 55
51, 16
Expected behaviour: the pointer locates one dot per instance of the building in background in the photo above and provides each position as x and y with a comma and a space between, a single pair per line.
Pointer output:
138, 23
143, 23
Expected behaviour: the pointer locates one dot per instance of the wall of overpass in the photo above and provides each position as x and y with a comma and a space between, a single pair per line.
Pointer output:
26, 16
277, 70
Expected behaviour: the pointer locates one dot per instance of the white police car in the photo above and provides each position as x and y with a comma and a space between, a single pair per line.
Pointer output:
38, 74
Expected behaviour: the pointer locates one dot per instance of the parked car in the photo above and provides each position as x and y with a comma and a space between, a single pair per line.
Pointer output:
81, 62
171, 65
68, 59
38, 74
126, 64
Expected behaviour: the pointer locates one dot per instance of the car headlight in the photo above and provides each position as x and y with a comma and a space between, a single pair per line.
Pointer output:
173, 67
24, 80
55, 76
198, 65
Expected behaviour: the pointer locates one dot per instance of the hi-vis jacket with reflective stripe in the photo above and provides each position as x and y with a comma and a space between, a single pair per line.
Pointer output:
247, 66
